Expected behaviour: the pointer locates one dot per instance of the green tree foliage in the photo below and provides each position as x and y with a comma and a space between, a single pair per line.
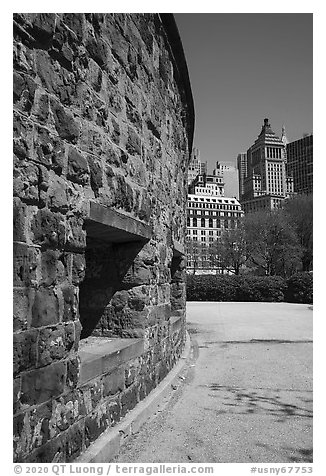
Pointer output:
299, 211
273, 247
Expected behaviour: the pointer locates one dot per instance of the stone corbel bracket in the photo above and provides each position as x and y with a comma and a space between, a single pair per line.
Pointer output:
111, 226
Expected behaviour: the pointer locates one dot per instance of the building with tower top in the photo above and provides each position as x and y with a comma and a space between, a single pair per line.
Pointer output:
196, 166
267, 183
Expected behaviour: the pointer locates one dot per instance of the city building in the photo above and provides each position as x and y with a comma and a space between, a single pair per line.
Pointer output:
267, 183
209, 212
300, 163
230, 176
242, 166
196, 167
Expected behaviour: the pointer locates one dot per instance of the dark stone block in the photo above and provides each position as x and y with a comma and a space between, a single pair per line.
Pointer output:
114, 410
26, 182
129, 399
96, 423
26, 265
23, 299
51, 345
24, 91
114, 382
40, 385
73, 366
65, 123
77, 167
19, 220
50, 150
75, 441
76, 235
133, 145
96, 174
45, 310
76, 22
78, 268
44, 26
48, 228
53, 270
25, 350
16, 395
98, 50
70, 296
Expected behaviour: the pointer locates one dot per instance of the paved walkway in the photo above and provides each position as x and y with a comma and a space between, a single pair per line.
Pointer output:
248, 395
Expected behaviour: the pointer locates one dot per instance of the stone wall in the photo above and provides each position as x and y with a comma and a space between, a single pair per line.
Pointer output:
103, 115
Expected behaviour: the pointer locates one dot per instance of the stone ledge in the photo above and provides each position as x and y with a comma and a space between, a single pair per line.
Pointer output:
110, 442
100, 358
109, 225
178, 249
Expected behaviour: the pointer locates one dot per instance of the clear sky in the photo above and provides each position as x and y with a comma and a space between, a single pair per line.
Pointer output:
244, 67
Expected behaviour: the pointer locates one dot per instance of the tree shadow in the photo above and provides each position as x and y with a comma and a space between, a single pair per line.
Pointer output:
290, 454
244, 401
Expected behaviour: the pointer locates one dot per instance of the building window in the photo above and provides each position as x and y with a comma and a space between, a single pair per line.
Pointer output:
195, 222
203, 222
210, 223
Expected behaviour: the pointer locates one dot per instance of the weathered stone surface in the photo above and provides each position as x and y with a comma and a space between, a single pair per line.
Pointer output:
23, 299
26, 265
99, 117
43, 384
25, 350
48, 229
45, 310
114, 382
77, 167
67, 127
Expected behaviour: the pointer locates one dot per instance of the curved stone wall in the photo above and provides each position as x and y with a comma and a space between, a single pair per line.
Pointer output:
103, 125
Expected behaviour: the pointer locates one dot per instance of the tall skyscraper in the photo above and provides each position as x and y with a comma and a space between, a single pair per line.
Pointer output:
300, 163
242, 167
267, 183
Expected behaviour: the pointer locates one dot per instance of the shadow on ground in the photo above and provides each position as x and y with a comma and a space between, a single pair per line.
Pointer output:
294, 455
263, 401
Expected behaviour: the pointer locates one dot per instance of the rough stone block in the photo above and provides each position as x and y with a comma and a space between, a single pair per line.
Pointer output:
73, 371
66, 125
133, 145
77, 167
40, 385
48, 228
70, 296
26, 182
45, 310
23, 299
57, 194
96, 423
52, 268
113, 382
26, 266
50, 150
75, 234
51, 345
129, 399
25, 350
